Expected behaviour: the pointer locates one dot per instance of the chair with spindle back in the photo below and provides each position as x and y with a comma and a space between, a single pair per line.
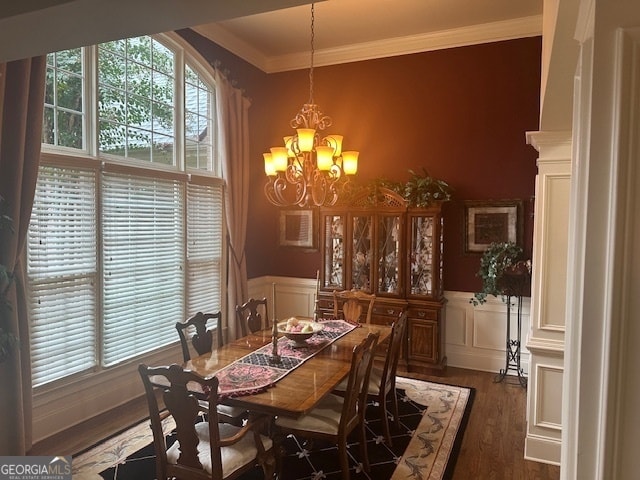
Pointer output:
202, 343
208, 449
347, 304
253, 316
202, 337
335, 417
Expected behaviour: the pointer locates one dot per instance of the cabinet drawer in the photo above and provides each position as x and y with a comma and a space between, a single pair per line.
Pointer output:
387, 310
423, 314
325, 303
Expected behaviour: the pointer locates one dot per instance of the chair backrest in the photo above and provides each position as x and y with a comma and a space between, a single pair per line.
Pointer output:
202, 339
349, 303
183, 406
251, 315
355, 396
388, 377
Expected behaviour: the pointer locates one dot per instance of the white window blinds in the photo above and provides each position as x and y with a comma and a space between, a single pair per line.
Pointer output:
62, 271
204, 247
143, 257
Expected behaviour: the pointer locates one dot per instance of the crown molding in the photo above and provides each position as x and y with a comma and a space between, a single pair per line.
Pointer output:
458, 37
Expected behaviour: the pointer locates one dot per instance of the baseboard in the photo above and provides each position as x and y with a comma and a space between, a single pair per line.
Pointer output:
481, 360
543, 450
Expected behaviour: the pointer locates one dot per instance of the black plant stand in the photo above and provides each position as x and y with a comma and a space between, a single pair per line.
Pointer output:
516, 281
512, 361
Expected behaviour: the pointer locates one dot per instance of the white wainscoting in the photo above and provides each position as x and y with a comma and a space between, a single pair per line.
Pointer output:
475, 337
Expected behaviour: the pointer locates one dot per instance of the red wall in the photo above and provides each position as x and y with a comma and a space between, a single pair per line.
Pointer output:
461, 113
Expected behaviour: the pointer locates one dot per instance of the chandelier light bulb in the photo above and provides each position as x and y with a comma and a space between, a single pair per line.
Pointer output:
324, 157
269, 167
279, 158
306, 139
335, 141
350, 162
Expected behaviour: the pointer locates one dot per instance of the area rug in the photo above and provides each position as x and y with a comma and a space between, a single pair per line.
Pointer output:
432, 421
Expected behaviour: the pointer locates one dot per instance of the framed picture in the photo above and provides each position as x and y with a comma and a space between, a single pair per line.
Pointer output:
492, 221
297, 228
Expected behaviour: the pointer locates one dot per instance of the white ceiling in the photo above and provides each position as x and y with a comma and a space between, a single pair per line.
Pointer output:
345, 30
351, 30
36, 27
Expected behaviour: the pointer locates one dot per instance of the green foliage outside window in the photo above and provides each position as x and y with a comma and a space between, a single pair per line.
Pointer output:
135, 103
135, 99
63, 117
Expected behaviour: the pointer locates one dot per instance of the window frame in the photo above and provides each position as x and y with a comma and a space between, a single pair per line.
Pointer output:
90, 157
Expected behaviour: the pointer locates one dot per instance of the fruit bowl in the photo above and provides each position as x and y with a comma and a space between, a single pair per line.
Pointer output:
299, 330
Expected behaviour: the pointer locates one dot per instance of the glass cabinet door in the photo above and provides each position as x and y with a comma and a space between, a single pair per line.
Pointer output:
334, 275
421, 245
361, 254
389, 228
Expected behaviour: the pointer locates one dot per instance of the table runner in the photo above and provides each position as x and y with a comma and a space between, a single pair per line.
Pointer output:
253, 373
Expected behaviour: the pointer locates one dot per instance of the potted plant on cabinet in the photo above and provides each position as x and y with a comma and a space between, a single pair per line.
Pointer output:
500, 264
421, 190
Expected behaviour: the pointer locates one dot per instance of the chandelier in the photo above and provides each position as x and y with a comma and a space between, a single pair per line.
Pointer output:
309, 169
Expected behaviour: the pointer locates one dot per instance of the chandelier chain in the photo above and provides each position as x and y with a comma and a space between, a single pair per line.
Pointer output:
312, 53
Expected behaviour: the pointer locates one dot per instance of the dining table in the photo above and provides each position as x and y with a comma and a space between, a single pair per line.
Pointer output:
298, 391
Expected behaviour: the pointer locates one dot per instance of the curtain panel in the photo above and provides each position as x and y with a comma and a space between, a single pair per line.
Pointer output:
22, 85
233, 145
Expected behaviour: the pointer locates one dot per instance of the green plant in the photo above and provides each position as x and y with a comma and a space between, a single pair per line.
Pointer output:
7, 339
498, 258
421, 190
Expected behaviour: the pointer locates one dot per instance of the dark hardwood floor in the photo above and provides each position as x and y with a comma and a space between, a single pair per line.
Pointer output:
493, 443
492, 447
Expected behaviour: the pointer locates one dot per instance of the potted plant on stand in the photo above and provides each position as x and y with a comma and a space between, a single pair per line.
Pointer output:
500, 262
504, 273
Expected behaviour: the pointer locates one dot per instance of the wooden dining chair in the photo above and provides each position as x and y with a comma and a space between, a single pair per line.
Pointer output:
253, 316
202, 338
203, 449
202, 342
382, 381
335, 417
347, 304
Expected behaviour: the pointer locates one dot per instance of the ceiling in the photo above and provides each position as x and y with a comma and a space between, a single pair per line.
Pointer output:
352, 30
273, 35
36, 27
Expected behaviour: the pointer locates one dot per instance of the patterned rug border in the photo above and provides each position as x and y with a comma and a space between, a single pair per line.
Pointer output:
430, 455
435, 444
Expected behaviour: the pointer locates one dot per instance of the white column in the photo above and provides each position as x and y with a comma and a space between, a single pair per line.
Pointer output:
546, 336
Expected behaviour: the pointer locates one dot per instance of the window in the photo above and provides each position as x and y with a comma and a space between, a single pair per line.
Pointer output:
126, 235
63, 122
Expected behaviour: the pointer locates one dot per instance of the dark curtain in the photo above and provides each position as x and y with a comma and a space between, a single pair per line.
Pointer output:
22, 84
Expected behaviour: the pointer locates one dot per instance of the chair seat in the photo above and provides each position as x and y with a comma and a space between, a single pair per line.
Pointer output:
233, 457
374, 382
231, 411
324, 418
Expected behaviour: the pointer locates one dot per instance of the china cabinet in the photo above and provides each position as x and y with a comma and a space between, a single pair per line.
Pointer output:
378, 244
